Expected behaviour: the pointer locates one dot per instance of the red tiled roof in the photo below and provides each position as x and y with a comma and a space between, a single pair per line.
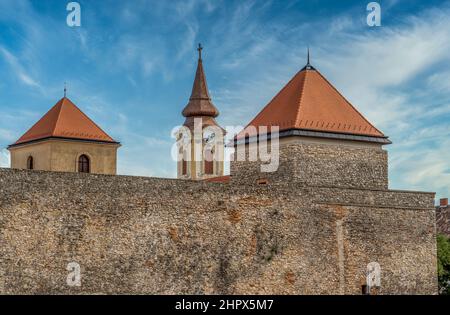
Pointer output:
65, 120
310, 102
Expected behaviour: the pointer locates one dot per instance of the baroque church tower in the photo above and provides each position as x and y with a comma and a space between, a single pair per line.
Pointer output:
201, 139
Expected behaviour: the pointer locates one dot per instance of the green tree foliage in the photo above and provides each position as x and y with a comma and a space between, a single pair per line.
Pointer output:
443, 253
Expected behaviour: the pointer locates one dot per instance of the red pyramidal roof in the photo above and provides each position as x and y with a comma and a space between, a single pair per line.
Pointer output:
309, 102
65, 120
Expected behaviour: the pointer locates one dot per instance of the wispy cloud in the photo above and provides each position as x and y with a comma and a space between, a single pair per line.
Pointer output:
6, 135
18, 69
4, 158
397, 76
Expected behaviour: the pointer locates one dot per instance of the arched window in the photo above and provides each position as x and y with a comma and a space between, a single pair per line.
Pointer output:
30, 163
84, 164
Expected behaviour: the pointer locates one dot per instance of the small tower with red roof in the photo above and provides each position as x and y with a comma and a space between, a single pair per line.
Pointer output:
65, 140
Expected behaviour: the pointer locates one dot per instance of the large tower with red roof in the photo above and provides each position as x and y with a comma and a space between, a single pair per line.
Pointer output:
322, 138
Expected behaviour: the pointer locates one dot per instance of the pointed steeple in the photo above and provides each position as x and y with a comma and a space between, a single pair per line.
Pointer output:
200, 103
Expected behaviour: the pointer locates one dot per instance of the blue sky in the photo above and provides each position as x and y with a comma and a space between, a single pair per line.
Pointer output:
131, 64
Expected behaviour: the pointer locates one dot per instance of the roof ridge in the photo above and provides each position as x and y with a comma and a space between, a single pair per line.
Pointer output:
40, 119
353, 107
276, 95
59, 114
302, 91
93, 122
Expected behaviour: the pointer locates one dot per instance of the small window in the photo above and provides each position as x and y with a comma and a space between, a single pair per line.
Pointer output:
262, 181
84, 164
30, 163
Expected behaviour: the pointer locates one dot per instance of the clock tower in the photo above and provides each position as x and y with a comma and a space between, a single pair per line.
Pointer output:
201, 139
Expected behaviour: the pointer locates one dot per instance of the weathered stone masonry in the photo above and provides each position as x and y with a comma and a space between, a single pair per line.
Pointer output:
321, 165
164, 236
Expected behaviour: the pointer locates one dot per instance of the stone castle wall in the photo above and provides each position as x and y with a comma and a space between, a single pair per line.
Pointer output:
443, 220
321, 165
163, 236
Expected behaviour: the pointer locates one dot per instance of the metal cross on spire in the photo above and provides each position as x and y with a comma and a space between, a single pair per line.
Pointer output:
200, 48
65, 89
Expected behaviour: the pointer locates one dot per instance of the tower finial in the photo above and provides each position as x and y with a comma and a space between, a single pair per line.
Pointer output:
65, 88
308, 63
200, 48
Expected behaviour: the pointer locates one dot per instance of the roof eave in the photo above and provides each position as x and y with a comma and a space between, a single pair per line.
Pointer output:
382, 140
14, 145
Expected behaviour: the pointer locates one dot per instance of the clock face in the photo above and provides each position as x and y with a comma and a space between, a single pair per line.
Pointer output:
184, 137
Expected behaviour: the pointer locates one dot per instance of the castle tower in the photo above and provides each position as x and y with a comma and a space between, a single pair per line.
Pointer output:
321, 139
65, 140
201, 140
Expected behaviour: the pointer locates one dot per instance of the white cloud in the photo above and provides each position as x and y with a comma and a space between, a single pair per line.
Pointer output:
4, 158
439, 81
6, 135
385, 77
383, 72
18, 69
422, 167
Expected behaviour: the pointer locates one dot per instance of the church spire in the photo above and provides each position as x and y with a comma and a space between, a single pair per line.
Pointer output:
200, 103
203, 156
